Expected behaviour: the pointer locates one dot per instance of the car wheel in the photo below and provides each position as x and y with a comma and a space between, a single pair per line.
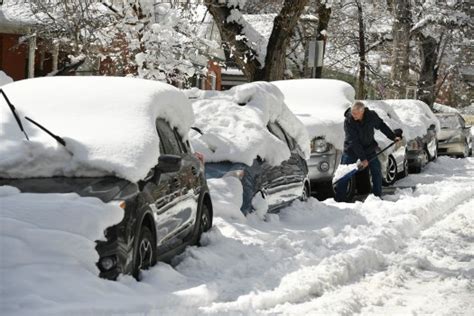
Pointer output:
305, 194
205, 222
145, 254
466, 150
405, 171
391, 173
351, 188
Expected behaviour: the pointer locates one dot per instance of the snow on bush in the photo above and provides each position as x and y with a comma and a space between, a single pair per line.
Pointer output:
320, 104
108, 124
415, 115
47, 246
4, 78
235, 122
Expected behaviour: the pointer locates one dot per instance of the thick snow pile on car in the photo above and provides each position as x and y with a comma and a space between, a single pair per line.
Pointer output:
108, 125
320, 104
234, 124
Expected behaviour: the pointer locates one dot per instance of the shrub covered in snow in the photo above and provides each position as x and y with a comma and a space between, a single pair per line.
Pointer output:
108, 124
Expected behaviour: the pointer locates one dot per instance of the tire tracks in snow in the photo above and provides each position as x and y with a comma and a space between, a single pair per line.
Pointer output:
364, 248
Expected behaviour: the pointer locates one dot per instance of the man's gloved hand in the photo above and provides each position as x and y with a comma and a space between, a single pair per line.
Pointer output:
362, 164
397, 139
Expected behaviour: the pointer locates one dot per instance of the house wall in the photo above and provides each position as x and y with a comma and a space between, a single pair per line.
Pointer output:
13, 57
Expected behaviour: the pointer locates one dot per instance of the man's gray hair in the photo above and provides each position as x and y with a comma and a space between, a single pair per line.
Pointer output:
358, 106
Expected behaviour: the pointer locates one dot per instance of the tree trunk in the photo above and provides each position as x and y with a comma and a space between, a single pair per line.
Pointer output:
244, 55
428, 47
324, 14
401, 47
361, 93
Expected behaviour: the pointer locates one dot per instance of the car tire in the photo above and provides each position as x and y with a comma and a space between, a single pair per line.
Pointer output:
466, 151
305, 194
205, 222
145, 254
351, 189
391, 172
405, 171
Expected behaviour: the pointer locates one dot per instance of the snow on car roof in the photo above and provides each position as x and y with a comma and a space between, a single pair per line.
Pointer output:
234, 124
389, 116
416, 116
4, 78
320, 104
108, 124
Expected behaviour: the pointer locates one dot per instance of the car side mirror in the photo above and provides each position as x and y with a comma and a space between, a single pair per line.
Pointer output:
169, 163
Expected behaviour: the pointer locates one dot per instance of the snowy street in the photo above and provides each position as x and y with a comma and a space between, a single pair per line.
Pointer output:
410, 253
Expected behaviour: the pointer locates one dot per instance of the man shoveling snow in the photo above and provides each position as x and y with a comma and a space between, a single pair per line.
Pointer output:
359, 143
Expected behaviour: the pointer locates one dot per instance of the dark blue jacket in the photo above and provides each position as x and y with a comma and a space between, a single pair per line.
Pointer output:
359, 141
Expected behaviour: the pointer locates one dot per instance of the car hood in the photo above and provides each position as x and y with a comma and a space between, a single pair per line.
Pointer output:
105, 188
448, 133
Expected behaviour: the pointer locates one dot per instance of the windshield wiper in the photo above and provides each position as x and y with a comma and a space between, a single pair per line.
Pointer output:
12, 108
56, 137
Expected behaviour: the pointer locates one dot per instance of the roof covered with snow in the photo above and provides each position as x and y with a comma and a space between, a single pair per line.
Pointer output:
15, 17
415, 115
234, 124
320, 104
108, 124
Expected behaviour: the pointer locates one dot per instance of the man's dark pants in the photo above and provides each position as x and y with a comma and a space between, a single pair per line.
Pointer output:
375, 171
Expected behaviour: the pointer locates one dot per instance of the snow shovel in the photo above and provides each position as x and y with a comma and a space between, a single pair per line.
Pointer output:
349, 175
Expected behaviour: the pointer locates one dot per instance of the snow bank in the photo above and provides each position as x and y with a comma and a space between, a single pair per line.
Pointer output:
47, 246
4, 78
108, 124
415, 115
234, 124
320, 104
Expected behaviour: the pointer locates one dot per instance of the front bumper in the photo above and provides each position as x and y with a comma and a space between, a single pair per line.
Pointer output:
446, 148
321, 166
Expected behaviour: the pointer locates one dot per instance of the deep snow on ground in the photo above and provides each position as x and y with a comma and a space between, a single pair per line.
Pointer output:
410, 253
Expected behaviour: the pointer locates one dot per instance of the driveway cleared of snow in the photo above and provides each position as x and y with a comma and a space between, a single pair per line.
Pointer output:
410, 253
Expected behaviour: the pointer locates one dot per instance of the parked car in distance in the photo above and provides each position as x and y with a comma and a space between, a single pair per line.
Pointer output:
421, 131
455, 136
248, 132
320, 104
122, 148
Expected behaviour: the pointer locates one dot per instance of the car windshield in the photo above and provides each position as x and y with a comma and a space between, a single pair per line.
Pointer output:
449, 122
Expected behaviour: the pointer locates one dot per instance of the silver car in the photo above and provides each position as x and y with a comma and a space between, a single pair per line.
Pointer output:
454, 139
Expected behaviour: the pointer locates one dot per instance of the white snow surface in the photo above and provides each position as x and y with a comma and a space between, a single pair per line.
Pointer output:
320, 104
47, 248
415, 115
410, 253
108, 124
4, 78
343, 170
234, 124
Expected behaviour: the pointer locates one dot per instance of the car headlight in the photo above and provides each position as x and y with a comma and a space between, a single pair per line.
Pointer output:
319, 145
413, 145
455, 139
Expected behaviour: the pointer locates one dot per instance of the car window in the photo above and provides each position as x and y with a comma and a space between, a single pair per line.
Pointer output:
168, 139
276, 130
184, 148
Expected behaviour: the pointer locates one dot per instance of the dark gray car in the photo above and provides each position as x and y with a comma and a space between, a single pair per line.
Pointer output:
455, 136
163, 213
279, 185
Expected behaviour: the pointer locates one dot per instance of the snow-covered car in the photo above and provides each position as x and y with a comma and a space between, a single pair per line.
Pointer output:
455, 136
121, 140
394, 161
249, 132
320, 104
420, 130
